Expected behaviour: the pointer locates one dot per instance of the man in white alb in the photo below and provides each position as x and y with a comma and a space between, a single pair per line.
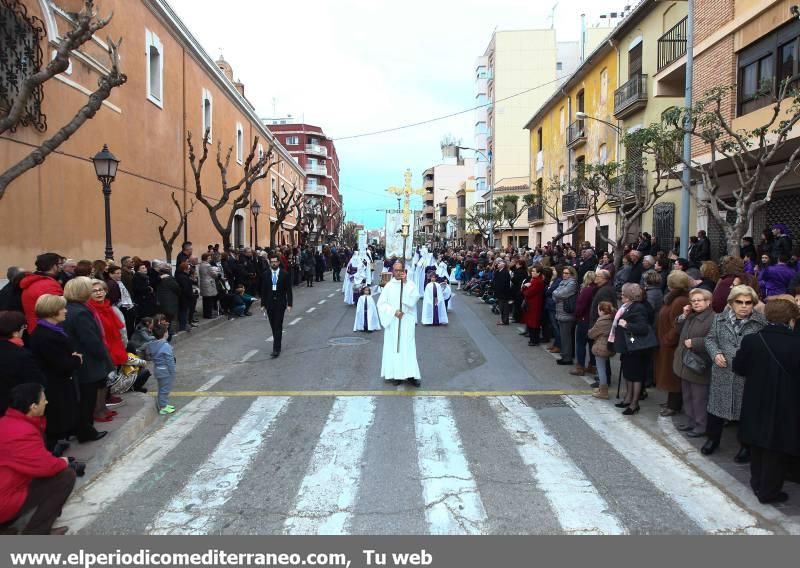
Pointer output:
399, 365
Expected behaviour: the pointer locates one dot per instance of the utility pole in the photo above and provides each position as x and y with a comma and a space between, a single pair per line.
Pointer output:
687, 139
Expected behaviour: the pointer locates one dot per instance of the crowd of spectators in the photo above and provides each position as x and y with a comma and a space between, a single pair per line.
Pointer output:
76, 335
701, 331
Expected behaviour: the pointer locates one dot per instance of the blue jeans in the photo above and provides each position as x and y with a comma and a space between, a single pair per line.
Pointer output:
602, 371
581, 340
239, 310
551, 317
165, 382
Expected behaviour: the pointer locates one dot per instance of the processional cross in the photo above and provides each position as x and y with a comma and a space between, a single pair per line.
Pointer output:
407, 192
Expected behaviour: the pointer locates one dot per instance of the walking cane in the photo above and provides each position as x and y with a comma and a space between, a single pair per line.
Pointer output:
619, 379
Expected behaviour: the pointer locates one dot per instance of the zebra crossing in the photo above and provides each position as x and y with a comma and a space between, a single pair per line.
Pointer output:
332, 465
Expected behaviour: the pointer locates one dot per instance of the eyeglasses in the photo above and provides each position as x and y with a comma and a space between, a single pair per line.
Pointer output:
743, 302
694, 300
98, 291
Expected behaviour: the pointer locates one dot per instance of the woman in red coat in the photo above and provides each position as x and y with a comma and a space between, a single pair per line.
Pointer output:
533, 295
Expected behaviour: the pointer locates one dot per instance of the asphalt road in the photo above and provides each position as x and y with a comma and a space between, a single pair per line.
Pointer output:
498, 440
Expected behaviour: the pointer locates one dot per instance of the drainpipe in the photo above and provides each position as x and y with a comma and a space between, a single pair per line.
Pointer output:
619, 127
687, 140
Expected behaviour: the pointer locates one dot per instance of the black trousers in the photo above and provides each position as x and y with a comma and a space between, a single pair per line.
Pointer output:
208, 306
47, 495
84, 427
533, 335
275, 313
714, 427
505, 308
767, 471
337, 275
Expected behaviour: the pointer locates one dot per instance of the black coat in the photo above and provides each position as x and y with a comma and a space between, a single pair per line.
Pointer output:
638, 318
17, 366
53, 352
770, 416
168, 295
85, 333
502, 285
283, 293
143, 296
604, 293
636, 273
10, 298
585, 266
186, 291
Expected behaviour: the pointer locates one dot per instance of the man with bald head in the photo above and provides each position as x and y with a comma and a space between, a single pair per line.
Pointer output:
399, 318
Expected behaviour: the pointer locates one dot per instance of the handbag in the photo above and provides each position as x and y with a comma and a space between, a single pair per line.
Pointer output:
640, 342
694, 362
570, 304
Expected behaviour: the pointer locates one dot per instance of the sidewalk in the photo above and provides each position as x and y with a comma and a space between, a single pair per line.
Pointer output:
135, 417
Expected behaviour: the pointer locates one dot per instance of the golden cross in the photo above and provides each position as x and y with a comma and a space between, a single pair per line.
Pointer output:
407, 192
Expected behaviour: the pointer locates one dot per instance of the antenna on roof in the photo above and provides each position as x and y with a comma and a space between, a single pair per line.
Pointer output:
553, 15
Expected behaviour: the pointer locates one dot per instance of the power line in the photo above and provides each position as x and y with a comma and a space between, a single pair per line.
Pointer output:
430, 120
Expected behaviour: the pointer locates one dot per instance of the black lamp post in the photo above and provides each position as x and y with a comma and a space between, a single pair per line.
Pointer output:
105, 166
256, 209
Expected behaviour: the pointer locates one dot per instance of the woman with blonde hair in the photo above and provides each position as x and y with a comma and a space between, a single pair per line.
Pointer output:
87, 336
725, 392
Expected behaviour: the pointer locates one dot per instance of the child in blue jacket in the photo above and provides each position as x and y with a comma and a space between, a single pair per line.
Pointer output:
161, 354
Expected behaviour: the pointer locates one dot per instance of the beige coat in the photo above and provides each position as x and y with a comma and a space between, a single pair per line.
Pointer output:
599, 334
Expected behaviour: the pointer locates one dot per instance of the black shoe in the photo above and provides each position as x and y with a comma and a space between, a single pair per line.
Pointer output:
742, 456
564, 362
781, 497
415, 382
140, 389
396, 382
595, 385
532, 343
630, 411
693, 434
94, 438
709, 447
275, 354
60, 447
622, 404
684, 427
643, 396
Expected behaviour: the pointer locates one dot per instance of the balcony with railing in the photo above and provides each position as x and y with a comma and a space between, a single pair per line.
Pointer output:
573, 204
316, 169
672, 45
536, 213
317, 149
630, 97
428, 211
576, 133
626, 188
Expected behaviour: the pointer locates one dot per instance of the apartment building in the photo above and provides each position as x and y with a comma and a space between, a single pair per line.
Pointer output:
612, 92
441, 183
173, 87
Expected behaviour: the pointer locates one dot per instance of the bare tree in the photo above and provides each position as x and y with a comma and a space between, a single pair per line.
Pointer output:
84, 25
481, 221
338, 221
183, 215
349, 235
283, 202
510, 212
254, 168
552, 200
749, 155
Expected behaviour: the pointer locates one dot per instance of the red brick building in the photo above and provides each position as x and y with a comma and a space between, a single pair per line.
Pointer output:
316, 155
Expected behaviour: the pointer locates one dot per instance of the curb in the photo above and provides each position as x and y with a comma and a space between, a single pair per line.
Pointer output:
121, 439
182, 336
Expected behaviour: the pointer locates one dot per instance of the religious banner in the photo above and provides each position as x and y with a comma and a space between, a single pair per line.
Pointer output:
362, 241
394, 235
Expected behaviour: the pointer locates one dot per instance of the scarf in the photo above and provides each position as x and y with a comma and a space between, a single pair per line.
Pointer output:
110, 324
16, 341
736, 322
612, 336
52, 326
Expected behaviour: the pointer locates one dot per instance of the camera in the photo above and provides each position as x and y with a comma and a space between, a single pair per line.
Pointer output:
79, 467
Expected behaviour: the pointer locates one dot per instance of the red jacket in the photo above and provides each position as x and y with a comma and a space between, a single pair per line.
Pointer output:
534, 302
33, 287
23, 458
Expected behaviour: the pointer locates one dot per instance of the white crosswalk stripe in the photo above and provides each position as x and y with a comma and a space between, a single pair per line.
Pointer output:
452, 502
704, 503
326, 497
333, 478
579, 507
135, 464
193, 510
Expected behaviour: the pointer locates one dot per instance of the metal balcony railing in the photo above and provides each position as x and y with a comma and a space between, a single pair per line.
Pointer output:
672, 45
630, 95
535, 212
626, 187
576, 132
316, 149
572, 202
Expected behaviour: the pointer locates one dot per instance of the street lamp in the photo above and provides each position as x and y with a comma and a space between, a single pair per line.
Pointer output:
105, 166
256, 209
490, 209
580, 115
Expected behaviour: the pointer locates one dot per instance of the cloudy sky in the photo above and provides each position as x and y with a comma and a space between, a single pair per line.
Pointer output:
357, 66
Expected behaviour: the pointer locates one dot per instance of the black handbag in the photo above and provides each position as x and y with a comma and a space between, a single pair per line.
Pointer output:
640, 342
694, 362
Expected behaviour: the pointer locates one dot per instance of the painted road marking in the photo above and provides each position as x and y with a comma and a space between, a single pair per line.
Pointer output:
330, 486
101, 493
196, 508
270, 338
295, 320
248, 355
321, 302
211, 382
309, 310
440, 393
701, 500
452, 502
331, 295
580, 509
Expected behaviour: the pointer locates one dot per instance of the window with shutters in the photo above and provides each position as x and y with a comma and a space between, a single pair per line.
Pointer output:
635, 61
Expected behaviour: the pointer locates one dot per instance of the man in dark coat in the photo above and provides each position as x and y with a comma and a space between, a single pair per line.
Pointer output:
502, 291
587, 262
336, 265
636, 271
703, 247
276, 299
770, 418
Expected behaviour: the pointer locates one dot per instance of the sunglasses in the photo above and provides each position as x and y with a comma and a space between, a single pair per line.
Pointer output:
743, 302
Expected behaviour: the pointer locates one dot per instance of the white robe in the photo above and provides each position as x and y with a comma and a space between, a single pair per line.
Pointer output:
403, 364
447, 294
347, 285
366, 303
428, 305
441, 270
419, 273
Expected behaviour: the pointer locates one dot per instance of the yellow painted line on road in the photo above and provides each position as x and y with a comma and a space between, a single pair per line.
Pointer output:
322, 393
